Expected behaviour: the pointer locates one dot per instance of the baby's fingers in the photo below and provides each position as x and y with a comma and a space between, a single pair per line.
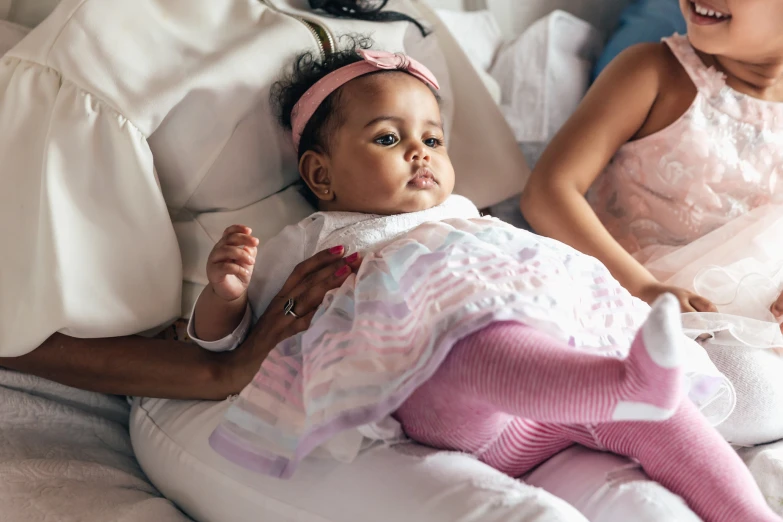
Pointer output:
228, 268
232, 253
238, 239
237, 229
248, 243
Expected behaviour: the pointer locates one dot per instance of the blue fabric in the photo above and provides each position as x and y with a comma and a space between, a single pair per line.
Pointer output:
642, 21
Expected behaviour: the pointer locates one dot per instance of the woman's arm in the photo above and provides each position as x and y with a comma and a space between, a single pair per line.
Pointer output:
620, 106
130, 366
177, 370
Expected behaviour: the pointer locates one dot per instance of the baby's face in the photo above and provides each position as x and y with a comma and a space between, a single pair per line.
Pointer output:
743, 30
388, 156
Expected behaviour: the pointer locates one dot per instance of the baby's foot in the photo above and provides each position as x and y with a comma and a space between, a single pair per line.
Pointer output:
654, 376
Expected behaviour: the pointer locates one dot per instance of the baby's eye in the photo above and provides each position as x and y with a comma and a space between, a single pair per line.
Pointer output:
433, 142
387, 140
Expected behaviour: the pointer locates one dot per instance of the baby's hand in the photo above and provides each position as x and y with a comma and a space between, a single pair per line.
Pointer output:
689, 301
230, 263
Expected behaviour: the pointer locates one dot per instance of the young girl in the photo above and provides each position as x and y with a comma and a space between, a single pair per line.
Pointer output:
679, 147
479, 337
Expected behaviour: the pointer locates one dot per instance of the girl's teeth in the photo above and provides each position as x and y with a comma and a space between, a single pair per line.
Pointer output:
708, 12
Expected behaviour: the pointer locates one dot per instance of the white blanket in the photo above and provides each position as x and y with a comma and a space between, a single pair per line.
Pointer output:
766, 465
66, 455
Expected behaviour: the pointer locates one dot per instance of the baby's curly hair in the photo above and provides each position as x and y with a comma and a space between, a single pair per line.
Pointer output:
308, 69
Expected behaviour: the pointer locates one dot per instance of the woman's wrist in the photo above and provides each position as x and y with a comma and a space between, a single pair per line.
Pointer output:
244, 362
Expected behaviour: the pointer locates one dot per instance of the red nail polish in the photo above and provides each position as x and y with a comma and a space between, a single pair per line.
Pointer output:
353, 257
337, 250
343, 271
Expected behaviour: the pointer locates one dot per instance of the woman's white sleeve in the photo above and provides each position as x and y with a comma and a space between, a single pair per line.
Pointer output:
88, 248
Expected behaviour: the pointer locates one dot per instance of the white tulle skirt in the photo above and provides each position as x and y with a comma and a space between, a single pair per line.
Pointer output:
739, 267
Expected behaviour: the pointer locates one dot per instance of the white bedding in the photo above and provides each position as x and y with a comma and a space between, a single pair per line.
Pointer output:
66, 455
766, 465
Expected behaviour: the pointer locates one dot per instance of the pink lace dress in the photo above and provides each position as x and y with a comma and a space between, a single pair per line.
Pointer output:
700, 203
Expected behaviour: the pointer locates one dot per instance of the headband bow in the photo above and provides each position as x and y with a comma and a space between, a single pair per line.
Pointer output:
372, 61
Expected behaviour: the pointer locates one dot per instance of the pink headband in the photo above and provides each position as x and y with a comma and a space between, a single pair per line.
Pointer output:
373, 61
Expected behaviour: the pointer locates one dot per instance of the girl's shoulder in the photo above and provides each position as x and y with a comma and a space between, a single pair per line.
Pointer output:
656, 69
653, 60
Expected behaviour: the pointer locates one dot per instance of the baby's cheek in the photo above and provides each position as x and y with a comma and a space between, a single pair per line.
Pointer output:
448, 177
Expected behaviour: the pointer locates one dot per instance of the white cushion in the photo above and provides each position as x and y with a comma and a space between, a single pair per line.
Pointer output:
404, 483
407, 482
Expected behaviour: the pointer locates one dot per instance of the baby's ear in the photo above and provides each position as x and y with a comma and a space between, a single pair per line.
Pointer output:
314, 169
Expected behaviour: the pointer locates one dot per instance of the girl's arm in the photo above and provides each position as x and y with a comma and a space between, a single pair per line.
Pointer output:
624, 103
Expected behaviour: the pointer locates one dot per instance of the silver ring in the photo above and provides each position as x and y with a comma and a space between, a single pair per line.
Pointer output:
288, 309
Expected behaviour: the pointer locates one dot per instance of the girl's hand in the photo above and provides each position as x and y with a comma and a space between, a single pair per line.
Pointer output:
689, 301
777, 311
230, 264
307, 286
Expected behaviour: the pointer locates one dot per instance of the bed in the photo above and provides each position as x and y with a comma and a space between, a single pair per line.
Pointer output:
66, 454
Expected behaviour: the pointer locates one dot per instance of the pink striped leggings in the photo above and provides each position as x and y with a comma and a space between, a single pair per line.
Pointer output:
514, 397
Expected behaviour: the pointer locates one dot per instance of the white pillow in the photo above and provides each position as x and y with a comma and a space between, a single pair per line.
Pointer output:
477, 32
544, 74
479, 36
516, 16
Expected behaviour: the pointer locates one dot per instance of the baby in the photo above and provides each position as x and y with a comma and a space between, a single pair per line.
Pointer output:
476, 336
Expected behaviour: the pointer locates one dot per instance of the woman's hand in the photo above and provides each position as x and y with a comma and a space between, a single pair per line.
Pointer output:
307, 286
689, 301
230, 264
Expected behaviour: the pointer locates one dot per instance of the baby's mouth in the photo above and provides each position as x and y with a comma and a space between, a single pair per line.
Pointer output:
423, 179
